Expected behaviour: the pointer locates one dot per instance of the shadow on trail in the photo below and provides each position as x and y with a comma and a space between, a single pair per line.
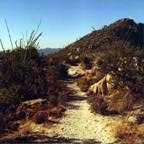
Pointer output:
76, 98
73, 97
72, 106
38, 138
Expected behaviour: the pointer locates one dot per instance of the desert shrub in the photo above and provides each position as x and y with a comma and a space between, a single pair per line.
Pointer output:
73, 59
126, 65
8, 122
57, 92
119, 101
89, 79
115, 102
43, 115
83, 83
87, 60
25, 74
130, 133
40, 117
22, 75
56, 64
55, 74
98, 105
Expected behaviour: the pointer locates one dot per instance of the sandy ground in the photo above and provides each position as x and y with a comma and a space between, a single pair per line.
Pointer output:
80, 125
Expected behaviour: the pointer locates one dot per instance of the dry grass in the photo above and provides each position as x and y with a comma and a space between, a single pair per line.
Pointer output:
40, 117
119, 101
131, 133
98, 104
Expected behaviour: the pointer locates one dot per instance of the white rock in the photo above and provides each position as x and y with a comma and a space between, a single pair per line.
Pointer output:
75, 71
132, 119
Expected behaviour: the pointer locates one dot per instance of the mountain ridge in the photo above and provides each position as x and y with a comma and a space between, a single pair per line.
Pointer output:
47, 51
126, 30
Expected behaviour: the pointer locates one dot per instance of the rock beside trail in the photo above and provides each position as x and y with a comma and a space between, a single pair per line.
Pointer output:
76, 71
136, 115
102, 87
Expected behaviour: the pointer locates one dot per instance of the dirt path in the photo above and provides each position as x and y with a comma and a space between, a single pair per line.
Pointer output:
79, 125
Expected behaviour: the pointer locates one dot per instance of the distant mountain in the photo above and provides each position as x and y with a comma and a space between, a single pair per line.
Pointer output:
47, 51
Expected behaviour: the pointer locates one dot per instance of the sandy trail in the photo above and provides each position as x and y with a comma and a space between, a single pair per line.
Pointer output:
80, 125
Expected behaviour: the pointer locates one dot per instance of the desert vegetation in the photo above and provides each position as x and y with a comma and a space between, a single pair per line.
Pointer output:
131, 132
107, 65
116, 85
27, 75
116, 50
125, 64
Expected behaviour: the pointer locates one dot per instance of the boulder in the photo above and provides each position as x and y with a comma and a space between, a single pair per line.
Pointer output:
76, 71
102, 87
132, 119
136, 115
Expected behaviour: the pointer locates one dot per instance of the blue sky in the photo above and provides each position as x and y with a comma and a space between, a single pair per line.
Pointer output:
63, 21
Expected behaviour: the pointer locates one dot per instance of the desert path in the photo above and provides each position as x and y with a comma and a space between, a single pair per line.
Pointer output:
79, 125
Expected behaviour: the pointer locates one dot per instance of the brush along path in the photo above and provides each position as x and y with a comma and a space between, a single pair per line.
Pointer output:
80, 125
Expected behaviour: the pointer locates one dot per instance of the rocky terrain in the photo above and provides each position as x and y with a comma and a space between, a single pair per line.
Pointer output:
78, 124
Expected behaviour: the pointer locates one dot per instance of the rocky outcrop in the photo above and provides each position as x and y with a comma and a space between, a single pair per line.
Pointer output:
102, 87
76, 71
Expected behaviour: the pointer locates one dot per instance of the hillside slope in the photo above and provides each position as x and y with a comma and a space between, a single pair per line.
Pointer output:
126, 30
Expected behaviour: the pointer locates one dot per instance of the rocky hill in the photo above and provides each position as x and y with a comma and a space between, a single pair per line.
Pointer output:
109, 64
126, 30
